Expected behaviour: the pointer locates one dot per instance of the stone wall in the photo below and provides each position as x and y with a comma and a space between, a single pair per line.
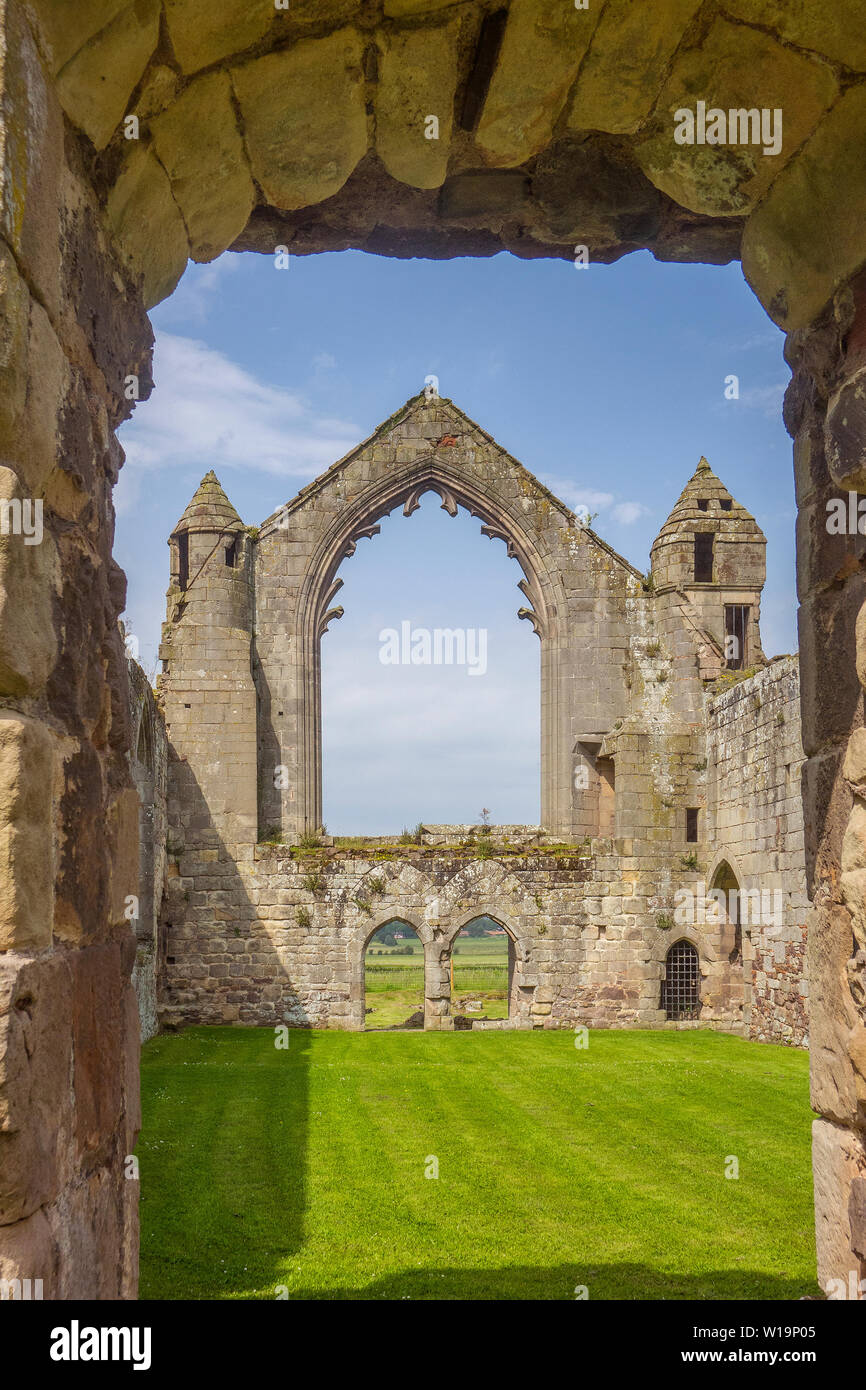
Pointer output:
282, 939
576, 591
71, 332
149, 766
755, 814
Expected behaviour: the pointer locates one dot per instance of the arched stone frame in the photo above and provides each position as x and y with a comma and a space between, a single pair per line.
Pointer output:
725, 856
660, 944
521, 983
541, 585
357, 958
721, 859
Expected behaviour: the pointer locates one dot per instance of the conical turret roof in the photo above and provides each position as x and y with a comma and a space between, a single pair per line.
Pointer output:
209, 509
704, 486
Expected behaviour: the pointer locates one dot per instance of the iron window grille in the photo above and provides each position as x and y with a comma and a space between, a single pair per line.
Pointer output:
681, 983
736, 631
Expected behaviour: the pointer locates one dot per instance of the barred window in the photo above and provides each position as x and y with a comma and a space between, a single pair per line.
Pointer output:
681, 983
736, 632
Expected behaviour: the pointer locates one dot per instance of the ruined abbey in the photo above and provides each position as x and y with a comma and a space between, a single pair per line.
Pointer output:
665, 886
138, 136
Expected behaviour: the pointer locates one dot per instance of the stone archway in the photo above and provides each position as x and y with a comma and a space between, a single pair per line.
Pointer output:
358, 959
98, 219
574, 585
542, 587
724, 880
521, 985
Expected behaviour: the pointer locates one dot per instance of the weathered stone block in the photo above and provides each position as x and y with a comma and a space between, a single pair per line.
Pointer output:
201, 149
726, 71
827, 625
838, 1160
26, 833
792, 269
418, 75
202, 33
30, 1250
832, 1015
36, 1117
541, 52
148, 226
483, 193
630, 50
98, 1018
854, 767
66, 30
304, 117
845, 433
96, 84
836, 29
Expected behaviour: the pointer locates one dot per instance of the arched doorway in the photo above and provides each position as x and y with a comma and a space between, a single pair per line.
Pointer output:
482, 973
681, 983
725, 883
393, 977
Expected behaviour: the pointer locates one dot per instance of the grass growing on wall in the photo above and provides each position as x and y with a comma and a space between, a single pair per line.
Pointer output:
304, 1169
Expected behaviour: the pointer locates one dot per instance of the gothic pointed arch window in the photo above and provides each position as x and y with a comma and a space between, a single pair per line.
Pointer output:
725, 880
144, 745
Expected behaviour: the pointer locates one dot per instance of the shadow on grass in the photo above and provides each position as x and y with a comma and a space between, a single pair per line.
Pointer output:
218, 1197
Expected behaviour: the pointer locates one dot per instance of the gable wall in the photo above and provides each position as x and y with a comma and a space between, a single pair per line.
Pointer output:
581, 593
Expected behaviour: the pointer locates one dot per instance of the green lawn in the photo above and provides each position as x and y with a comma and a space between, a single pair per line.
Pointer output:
558, 1167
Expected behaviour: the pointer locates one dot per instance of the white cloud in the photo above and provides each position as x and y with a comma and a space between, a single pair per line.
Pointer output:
760, 340
575, 496
208, 412
323, 361
384, 729
584, 500
628, 512
767, 399
198, 290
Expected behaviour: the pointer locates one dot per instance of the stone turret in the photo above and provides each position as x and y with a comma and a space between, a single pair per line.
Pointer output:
712, 552
209, 524
206, 683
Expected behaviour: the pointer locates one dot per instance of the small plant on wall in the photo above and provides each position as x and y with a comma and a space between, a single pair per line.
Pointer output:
303, 918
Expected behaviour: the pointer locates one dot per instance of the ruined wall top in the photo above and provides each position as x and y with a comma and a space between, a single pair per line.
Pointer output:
419, 127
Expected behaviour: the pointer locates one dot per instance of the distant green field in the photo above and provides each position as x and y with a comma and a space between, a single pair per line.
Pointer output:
393, 980
307, 1172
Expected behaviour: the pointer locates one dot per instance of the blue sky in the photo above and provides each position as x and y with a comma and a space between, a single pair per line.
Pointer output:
608, 383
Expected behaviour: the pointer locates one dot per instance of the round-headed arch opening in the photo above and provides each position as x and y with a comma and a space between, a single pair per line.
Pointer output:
681, 982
